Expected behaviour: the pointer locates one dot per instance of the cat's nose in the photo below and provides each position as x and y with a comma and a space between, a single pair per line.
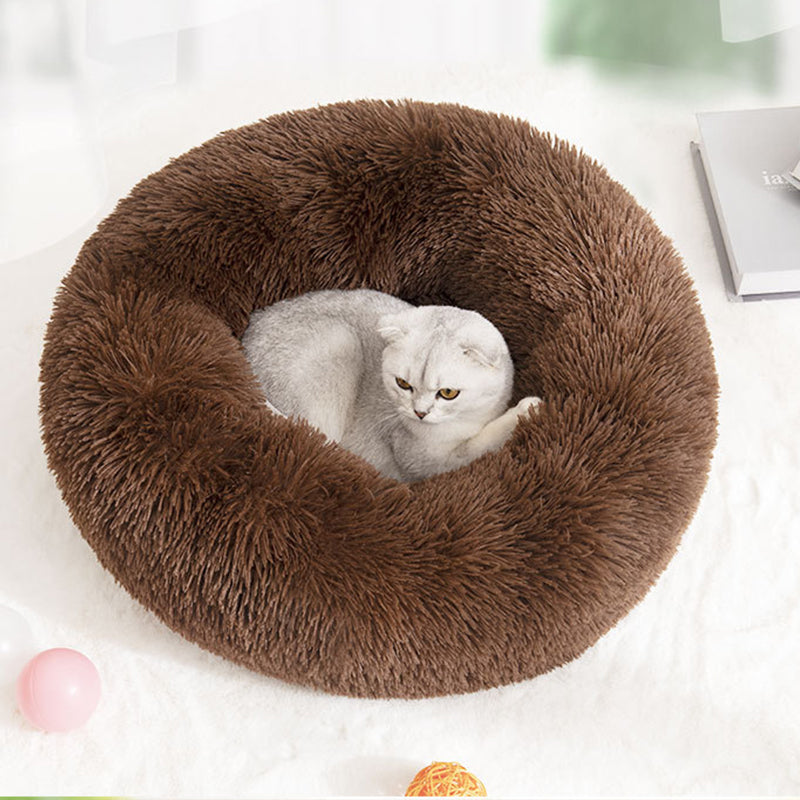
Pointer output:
421, 414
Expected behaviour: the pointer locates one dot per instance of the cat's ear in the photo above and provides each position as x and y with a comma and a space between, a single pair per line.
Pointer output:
482, 343
484, 356
392, 327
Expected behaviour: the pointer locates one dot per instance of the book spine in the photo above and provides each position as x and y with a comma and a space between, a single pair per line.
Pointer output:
726, 251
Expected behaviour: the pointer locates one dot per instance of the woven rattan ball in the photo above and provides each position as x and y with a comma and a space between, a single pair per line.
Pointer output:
445, 779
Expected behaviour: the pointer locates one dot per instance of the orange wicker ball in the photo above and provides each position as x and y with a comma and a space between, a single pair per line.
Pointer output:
445, 779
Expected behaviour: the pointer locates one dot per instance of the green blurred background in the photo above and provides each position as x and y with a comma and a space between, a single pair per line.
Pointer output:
633, 36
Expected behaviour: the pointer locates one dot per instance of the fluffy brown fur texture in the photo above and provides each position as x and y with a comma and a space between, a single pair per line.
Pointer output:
251, 535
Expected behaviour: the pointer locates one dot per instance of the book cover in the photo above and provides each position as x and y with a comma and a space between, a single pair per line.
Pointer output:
745, 157
793, 176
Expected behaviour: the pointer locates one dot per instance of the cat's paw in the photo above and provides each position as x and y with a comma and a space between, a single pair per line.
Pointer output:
526, 405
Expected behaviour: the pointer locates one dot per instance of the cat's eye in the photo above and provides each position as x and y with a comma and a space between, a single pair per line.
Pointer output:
403, 384
448, 394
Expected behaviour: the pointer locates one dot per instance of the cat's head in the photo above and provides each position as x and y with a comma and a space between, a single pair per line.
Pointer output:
444, 365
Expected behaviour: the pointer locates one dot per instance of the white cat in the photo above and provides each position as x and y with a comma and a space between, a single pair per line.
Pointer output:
413, 390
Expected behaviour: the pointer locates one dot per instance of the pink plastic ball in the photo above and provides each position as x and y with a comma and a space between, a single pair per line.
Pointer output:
58, 690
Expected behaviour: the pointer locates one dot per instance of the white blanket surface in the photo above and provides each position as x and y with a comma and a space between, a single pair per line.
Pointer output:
695, 692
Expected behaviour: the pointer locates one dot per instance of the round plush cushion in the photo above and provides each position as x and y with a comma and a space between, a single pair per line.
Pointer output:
252, 535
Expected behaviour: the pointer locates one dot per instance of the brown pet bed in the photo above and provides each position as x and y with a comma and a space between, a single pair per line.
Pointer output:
248, 533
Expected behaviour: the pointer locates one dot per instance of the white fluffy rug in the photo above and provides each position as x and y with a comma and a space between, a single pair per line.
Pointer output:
694, 693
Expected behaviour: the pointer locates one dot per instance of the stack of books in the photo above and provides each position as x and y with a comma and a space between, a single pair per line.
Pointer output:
745, 163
